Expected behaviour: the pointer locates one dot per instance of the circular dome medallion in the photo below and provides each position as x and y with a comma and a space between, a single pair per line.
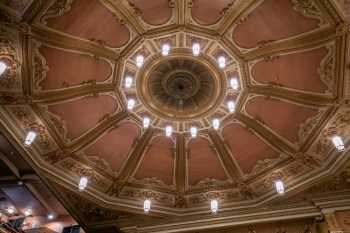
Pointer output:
181, 87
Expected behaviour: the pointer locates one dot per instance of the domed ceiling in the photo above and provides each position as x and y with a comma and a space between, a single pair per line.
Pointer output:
288, 56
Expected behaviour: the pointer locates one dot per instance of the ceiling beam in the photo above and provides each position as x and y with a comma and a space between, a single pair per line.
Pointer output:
304, 41
54, 96
266, 134
62, 40
93, 134
235, 13
231, 167
134, 159
130, 18
180, 158
318, 100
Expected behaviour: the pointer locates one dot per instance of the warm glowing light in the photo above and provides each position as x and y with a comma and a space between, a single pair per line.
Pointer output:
214, 206
193, 132
279, 187
338, 143
196, 49
216, 123
234, 83
146, 122
168, 131
28, 212
128, 82
11, 210
3, 67
231, 105
50, 216
222, 62
139, 60
131, 104
165, 49
30, 138
83, 183
147, 206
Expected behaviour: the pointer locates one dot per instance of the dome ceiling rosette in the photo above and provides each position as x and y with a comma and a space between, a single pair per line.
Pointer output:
68, 85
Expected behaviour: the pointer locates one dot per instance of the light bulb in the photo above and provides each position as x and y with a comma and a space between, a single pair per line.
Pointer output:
147, 206
83, 183
146, 122
216, 124
193, 132
222, 62
50, 216
11, 210
196, 49
3, 67
131, 104
168, 131
165, 49
338, 143
30, 138
214, 206
139, 60
128, 82
28, 212
279, 187
234, 83
231, 106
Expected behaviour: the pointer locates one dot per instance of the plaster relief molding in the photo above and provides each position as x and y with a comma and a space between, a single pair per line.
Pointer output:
77, 170
57, 8
306, 128
27, 120
309, 8
11, 53
327, 69
141, 194
152, 182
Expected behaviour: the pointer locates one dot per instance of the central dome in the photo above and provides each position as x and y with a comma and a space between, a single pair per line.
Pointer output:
180, 88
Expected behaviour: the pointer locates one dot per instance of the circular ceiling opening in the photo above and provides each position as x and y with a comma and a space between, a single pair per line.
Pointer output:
180, 88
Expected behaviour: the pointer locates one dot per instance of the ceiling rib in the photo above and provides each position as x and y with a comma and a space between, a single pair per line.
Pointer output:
225, 156
263, 132
93, 89
128, 16
62, 40
93, 134
180, 158
134, 158
310, 99
309, 40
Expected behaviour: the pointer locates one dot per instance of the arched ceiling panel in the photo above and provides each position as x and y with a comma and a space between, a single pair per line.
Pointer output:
71, 69
246, 147
78, 116
208, 12
284, 118
155, 12
300, 71
91, 20
158, 161
203, 162
114, 147
272, 20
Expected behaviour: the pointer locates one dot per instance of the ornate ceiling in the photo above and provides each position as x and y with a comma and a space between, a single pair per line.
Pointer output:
68, 60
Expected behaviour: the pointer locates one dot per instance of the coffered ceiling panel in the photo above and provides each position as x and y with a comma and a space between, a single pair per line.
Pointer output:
305, 70
247, 148
203, 162
275, 20
112, 149
155, 12
285, 118
81, 115
159, 151
80, 19
207, 12
60, 69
